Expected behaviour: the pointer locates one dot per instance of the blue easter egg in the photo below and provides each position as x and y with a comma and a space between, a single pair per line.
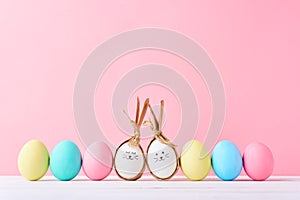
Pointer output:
226, 160
65, 160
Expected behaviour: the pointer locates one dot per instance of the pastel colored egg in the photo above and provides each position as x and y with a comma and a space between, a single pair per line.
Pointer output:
33, 160
258, 161
195, 160
162, 160
227, 160
97, 161
65, 160
129, 161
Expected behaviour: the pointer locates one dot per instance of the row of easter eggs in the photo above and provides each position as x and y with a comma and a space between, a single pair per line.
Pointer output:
195, 162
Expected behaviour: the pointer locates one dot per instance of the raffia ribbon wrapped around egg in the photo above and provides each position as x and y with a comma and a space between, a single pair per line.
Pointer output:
129, 159
161, 157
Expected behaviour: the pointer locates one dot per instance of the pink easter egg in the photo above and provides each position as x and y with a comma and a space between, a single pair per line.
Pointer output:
97, 161
258, 161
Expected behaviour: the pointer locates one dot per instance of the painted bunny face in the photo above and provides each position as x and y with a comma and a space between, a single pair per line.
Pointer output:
130, 155
161, 159
161, 155
129, 161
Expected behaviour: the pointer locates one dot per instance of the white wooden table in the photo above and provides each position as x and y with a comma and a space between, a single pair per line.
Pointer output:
279, 187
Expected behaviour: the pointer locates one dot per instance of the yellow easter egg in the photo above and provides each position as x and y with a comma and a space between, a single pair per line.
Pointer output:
33, 160
194, 166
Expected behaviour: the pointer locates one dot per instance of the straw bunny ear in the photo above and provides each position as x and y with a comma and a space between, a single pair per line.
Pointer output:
156, 125
162, 105
143, 112
137, 110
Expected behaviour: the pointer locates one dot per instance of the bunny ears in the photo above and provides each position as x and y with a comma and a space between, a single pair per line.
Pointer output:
135, 139
157, 125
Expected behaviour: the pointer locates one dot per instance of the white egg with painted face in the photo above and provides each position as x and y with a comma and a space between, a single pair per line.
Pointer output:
129, 161
162, 160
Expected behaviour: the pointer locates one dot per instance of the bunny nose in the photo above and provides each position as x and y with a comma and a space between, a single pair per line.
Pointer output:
161, 157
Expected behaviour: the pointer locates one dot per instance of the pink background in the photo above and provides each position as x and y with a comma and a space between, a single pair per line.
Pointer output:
255, 45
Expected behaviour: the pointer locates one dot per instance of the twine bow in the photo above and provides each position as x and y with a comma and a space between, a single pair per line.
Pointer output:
156, 127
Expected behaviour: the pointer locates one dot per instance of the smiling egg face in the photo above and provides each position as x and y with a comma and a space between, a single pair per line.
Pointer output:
129, 161
162, 160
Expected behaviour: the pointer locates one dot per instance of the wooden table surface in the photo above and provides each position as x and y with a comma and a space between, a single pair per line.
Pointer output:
276, 187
